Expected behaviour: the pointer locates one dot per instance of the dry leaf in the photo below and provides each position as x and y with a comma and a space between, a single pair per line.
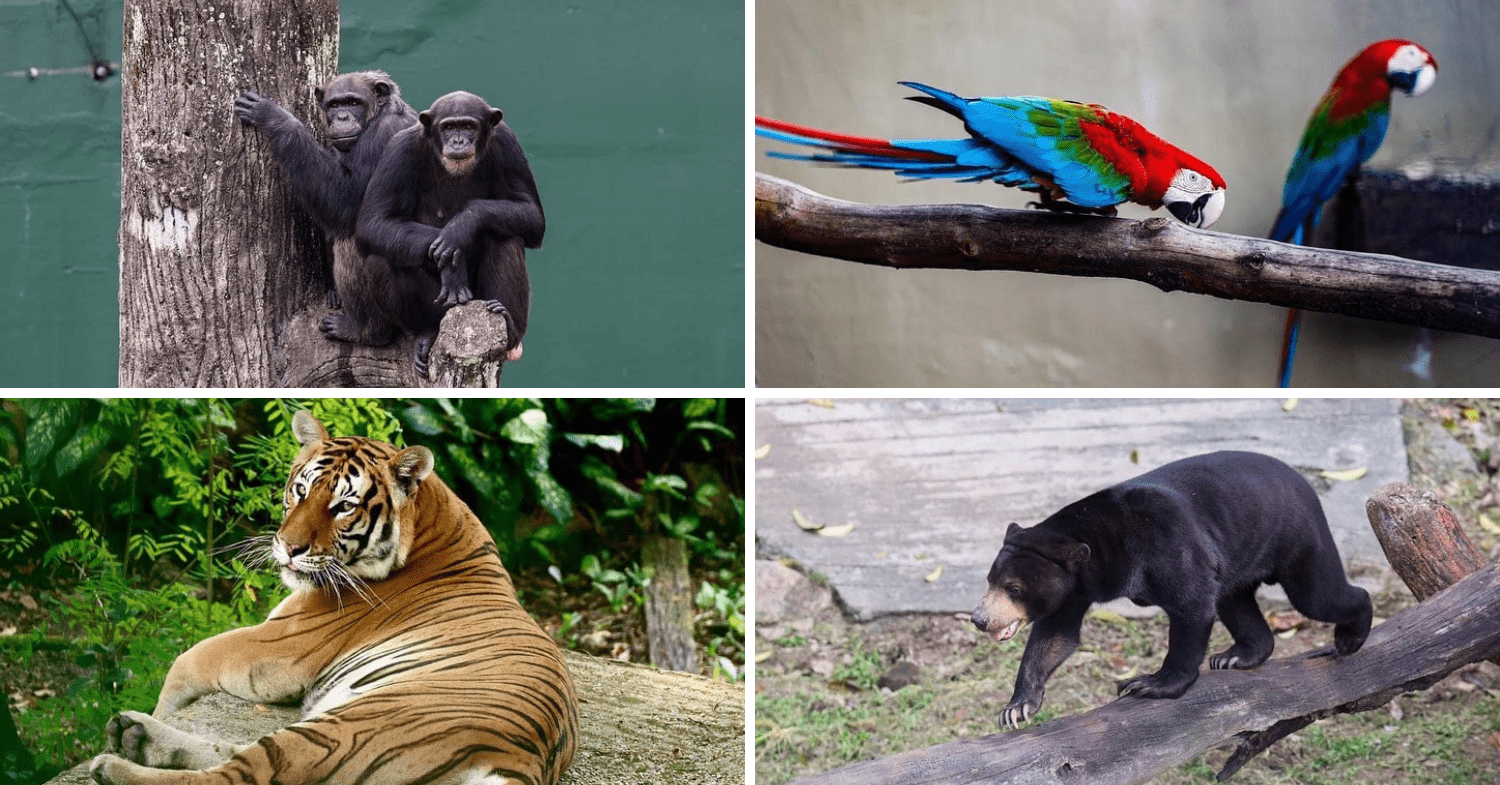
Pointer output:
1488, 524
28, 602
763, 655
762, 451
1290, 620
44, 693
1289, 404
823, 402
836, 531
934, 575
803, 523
7, 631
1107, 616
1345, 475
1135, 456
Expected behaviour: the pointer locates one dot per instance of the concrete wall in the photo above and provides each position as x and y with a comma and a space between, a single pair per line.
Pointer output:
1229, 80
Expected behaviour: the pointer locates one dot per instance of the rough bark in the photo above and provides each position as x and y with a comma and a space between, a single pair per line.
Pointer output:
223, 280
1421, 538
1158, 251
214, 256
636, 725
669, 604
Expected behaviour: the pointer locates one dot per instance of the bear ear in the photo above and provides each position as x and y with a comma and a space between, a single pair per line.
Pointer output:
1011, 530
1076, 555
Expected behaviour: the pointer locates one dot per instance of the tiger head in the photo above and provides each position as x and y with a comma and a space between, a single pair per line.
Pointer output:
344, 507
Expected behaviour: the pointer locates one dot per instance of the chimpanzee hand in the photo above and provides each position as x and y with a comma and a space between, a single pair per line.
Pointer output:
258, 110
447, 253
453, 286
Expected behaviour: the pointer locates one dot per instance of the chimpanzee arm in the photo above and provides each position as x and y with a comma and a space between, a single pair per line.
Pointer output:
513, 210
326, 187
387, 219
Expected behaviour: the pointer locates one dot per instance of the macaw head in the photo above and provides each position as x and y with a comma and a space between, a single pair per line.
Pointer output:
1195, 198
1409, 68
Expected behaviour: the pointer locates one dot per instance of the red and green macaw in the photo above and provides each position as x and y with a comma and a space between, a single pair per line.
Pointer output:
1344, 131
1062, 150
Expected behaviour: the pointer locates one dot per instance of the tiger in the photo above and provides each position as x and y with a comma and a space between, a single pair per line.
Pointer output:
402, 638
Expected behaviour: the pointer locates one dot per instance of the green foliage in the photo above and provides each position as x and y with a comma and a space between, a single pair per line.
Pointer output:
124, 639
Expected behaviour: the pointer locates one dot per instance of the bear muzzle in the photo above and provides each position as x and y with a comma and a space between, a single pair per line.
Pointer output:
998, 616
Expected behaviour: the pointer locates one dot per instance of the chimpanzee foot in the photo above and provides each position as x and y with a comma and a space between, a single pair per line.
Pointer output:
422, 352
495, 306
342, 327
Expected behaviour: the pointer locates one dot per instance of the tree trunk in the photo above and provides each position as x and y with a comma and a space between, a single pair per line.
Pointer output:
223, 279
215, 257
1157, 251
669, 604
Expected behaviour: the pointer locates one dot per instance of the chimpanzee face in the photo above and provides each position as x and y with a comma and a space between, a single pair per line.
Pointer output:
459, 137
349, 106
458, 127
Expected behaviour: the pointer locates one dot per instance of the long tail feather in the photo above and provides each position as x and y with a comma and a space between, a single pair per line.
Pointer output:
1289, 346
843, 143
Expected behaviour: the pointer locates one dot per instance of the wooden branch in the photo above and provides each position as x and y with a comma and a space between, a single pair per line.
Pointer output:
1158, 251
1131, 740
1425, 545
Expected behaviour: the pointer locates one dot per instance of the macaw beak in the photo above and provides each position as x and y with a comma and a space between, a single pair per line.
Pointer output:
1413, 83
1201, 212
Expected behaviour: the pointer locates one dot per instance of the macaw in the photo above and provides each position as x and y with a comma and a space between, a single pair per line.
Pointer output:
1345, 129
1061, 150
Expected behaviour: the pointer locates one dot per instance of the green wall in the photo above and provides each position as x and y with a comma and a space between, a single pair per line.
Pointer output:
59, 197
630, 113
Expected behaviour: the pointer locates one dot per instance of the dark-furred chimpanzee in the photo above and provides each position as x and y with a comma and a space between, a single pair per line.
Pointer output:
456, 197
363, 111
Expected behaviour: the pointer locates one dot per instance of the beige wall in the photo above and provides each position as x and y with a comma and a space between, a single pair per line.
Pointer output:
1231, 81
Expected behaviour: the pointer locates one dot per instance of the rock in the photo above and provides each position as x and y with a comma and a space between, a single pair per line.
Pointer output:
902, 674
786, 601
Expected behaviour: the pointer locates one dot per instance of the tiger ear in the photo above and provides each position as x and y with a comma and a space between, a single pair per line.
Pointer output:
411, 466
307, 428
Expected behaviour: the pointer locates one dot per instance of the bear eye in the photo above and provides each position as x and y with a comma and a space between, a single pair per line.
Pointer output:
1014, 591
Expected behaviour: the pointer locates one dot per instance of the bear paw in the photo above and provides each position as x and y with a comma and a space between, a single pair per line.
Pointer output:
1157, 685
1018, 713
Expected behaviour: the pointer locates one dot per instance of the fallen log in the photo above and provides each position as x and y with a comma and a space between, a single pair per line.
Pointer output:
636, 724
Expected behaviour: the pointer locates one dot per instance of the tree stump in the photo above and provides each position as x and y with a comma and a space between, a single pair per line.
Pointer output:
669, 604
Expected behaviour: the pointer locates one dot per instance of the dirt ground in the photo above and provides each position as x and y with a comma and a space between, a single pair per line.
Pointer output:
831, 692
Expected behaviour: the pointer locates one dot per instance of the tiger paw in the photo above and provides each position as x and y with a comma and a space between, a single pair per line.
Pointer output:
113, 770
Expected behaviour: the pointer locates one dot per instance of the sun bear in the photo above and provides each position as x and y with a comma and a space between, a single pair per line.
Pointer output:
1195, 537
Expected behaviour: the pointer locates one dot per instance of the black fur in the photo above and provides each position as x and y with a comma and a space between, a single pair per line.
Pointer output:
361, 111
1196, 537
431, 209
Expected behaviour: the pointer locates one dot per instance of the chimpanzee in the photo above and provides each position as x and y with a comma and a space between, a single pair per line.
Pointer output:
455, 196
363, 111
